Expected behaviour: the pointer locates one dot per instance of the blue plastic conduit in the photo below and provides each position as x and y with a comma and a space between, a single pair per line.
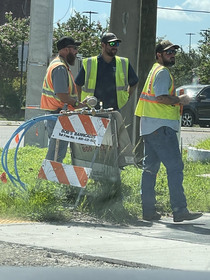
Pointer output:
25, 126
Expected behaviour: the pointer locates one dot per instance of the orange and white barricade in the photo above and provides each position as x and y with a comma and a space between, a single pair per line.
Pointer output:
77, 128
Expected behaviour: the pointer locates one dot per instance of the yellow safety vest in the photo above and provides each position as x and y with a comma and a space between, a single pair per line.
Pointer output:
49, 101
90, 66
147, 105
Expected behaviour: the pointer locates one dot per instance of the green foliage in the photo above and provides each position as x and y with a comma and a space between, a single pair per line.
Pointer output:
204, 68
205, 144
185, 68
47, 201
79, 28
12, 33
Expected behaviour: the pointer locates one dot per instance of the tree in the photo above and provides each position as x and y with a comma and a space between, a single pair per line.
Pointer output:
89, 34
14, 31
204, 68
186, 67
11, 33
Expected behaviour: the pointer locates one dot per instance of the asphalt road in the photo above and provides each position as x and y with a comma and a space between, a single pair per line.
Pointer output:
6, 132
192, 135
189, 136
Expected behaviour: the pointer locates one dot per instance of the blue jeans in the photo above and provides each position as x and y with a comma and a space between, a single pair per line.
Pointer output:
162, 146
63, 145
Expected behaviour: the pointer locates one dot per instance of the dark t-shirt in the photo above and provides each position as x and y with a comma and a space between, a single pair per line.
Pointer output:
105, 89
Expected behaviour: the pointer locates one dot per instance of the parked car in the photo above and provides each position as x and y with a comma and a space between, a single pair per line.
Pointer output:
198, 110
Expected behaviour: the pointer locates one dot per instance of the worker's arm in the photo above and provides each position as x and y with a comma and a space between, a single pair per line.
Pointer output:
133, 80
80, 81
171, 99
130, 89
79, 90
161, 86
66, 98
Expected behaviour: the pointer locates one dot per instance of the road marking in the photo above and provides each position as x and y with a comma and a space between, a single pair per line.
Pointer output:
13, 221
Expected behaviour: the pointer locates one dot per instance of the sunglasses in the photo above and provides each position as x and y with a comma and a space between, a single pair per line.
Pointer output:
73, 47
113, 44
169, 52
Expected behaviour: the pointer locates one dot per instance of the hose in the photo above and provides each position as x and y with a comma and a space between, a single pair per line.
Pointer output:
4, 158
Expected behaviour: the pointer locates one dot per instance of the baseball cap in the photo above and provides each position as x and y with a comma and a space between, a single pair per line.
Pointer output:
110, 37
66, 41
165, 45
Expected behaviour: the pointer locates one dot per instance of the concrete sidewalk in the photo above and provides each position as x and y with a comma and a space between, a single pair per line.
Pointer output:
163, 244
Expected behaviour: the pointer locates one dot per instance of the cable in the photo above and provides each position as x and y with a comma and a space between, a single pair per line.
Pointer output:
172, 9
28, 124
183, 10
65, 13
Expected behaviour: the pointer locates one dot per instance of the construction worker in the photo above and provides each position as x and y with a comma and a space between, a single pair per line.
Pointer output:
110, 78
59, 89
159, 109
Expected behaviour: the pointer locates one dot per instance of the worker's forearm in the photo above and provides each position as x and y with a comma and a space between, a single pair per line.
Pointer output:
172, 99
79, 90
130, 89
66, 98
168, 99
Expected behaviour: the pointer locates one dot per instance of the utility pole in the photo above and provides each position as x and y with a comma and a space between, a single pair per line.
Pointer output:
136, 25
90, 13
190, 34
40, 52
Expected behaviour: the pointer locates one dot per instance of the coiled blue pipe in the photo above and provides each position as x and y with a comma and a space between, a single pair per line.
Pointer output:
25, 126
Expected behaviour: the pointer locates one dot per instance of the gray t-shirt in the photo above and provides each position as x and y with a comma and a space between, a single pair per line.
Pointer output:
161, 86
60, 80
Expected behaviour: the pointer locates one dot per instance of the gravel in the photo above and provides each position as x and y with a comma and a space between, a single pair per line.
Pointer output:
20, 255
12, 254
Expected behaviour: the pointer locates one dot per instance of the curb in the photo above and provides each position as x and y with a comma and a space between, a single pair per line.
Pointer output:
195, 154
11, 123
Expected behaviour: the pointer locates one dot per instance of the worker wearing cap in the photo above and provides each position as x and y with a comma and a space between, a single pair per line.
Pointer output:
59, 89
108, 77
159, 110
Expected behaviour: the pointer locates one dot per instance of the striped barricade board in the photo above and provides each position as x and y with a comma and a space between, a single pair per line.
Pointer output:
64, 174
82, 129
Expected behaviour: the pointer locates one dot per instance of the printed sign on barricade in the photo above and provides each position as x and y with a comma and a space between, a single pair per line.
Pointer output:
82, 129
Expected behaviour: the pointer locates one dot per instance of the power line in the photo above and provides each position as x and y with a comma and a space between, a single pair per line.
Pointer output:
162, 8
100, 1
66, 11
181, 10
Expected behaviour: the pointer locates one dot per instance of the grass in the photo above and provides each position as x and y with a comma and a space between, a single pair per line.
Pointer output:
205, 144
47, 201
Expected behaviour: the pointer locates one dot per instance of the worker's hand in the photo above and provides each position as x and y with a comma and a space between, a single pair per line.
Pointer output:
81, 105
184, 99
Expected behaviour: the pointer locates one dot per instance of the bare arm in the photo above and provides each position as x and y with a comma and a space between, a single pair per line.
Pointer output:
66, 98
130, 89
171, 99
79, 90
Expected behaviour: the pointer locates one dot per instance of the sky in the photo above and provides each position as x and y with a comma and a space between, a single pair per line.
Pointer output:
171, 24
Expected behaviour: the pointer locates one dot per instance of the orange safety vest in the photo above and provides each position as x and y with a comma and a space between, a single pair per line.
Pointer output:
49, 101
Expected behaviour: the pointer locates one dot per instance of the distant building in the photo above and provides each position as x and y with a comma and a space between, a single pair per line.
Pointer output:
19, 8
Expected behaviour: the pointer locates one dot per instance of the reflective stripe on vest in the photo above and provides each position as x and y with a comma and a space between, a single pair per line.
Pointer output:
49, 101
148, 106
90, 66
